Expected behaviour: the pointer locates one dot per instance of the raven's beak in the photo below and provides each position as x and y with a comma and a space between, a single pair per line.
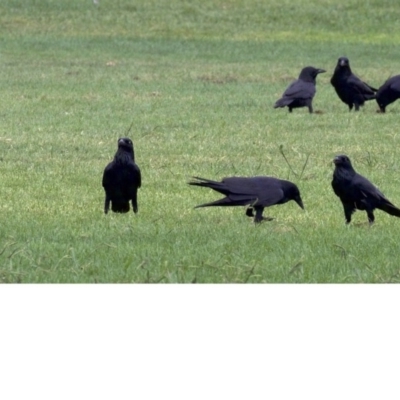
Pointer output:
299, 201
343, 63
336, 160
320, 71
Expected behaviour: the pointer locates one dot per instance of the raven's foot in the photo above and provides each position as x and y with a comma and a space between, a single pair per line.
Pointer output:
258, 221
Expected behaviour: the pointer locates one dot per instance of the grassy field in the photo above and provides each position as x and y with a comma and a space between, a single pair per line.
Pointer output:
198, 80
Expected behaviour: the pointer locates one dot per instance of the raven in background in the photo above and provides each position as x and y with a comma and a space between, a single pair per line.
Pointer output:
257, 192
388, 92
121, 179
300, 92
350, 89
358, 193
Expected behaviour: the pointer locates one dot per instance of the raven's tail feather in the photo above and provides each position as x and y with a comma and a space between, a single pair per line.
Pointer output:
283, 102
120, 207
390, 209
201, 181
221, 187
218, 186
222, 202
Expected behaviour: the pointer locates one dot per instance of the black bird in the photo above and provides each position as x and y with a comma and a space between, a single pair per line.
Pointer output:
257, 192
300, 92
121, 179
388, 92
350, 89
358, 193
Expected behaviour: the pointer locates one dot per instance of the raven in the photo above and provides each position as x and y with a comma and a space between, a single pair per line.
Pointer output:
358, 193
350, 89
388, 92
121, 179
300, 92
257, 192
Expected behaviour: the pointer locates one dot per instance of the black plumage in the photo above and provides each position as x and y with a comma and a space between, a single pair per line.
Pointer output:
300, 93
358, 193
350, 89
256, 192
388, 92
121, 179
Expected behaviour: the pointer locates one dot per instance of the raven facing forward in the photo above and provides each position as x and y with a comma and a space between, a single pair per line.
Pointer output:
388, 92
358, 193
257, 192
300, 92
121, 179
350, 89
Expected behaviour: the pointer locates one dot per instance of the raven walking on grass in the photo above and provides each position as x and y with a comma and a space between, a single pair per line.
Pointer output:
358, 193
388, 92
300, 92
121, 179
257, 192
350, 89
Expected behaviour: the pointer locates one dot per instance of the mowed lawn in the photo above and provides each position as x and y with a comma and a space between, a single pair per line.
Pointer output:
198, 80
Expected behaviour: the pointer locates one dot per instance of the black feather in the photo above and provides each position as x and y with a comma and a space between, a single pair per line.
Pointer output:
300, 92
257, 192
350, 89
121, 179
388, 93
358, 193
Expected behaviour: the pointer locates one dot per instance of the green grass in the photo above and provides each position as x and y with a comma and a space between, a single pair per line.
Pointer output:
198, 79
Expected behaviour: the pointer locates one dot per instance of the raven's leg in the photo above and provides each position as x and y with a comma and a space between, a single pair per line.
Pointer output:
348, 210
309, 105
371, 217
350, 106
134, 203
357, 106
258, 218
290, 109
249, 212
107, 204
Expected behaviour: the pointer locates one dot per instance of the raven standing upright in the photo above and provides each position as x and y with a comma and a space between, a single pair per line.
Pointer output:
257, 192
358, 193
350, 89
121, 179
300, 92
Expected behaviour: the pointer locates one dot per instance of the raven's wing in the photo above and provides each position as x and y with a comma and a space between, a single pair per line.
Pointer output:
388, 92
108, 175
375, 197
395, 85
238, 191
259, 190
298, 89
136, 174
367, 190
361, 87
